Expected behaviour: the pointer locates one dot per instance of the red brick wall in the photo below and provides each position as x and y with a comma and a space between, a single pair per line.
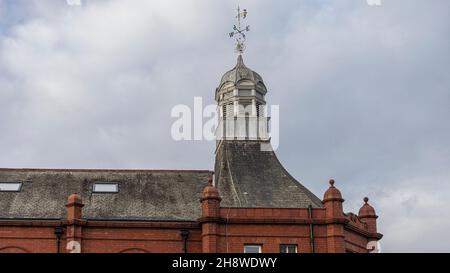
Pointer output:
147, 239
30, 236
27, 239
235, 228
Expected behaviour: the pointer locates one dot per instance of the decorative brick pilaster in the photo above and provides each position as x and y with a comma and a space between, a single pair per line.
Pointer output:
335, 219
74, 228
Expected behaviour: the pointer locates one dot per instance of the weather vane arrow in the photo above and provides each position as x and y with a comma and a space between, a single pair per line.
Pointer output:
239, 32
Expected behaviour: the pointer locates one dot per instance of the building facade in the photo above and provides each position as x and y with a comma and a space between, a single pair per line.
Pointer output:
249, 203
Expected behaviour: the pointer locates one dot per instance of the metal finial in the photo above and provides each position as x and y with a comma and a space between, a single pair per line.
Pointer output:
239, 32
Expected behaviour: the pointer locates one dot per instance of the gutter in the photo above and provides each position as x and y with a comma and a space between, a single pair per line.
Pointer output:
311, 230
184, 233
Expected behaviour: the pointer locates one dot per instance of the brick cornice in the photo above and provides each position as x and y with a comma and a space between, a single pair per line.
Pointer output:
76, 222
339, 220
271, 220
363, 232
31, 222
209, 219
98, 223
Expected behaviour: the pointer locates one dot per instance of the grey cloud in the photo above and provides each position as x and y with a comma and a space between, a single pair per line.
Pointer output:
363, 93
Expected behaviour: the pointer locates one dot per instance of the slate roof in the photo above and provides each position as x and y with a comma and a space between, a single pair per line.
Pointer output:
247, 176
143, 194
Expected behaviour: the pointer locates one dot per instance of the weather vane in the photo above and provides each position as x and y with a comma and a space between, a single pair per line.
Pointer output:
239, 32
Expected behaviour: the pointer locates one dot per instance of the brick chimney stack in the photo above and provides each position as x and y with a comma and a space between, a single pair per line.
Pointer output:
210, 216
74, 207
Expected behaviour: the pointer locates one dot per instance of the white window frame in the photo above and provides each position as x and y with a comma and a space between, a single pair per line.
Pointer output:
253, 245
116, 185
4, 185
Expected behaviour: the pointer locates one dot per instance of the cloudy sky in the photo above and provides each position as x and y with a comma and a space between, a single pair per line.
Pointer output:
364, 93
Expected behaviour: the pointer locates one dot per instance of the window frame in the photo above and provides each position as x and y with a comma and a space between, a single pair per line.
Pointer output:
105, 183
289, 245
12, 182
253, 245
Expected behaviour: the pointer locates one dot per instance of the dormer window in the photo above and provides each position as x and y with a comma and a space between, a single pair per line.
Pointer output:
10, 186
102, 187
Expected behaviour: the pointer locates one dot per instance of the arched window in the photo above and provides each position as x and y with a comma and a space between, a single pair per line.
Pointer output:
13, 249
134, 250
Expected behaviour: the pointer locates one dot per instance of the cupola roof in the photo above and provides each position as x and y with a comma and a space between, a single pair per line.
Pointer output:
240, 72
367, 210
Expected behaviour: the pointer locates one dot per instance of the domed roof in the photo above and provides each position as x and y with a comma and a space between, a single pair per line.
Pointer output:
210, 192
332, 193
74, 199
367, 210
240, 72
